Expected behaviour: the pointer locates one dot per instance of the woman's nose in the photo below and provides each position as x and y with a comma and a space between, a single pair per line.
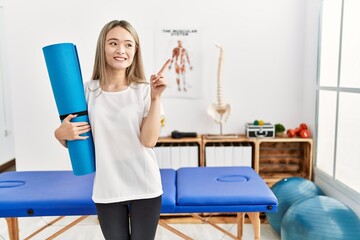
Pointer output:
120, 49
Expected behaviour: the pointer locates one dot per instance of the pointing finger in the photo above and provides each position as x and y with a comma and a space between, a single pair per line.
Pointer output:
164, 67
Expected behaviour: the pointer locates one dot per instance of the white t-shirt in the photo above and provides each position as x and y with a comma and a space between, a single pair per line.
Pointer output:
125, 169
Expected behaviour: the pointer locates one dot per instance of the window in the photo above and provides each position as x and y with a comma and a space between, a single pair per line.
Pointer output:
338, 93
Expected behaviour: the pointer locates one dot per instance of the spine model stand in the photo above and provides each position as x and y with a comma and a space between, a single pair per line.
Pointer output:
219, 111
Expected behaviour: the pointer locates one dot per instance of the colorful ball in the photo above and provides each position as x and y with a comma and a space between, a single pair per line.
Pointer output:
288, 191
320, 217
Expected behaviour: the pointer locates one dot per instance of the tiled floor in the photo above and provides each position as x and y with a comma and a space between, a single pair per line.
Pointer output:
90, 230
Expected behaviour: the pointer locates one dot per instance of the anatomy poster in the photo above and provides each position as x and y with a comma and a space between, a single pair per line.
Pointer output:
183, 47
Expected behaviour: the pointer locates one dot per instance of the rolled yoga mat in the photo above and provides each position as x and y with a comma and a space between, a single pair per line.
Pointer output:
64, 71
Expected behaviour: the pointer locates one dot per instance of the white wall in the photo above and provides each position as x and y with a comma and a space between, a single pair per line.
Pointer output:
311, 38
264, 60
7, 151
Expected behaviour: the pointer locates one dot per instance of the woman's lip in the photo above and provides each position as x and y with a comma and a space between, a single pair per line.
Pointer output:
120, 58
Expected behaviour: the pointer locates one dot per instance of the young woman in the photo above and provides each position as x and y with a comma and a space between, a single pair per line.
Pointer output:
125, 113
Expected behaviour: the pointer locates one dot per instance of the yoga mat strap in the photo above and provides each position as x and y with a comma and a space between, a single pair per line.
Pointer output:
82, 113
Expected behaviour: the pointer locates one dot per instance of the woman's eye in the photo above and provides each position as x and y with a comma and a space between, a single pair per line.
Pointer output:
113, 43
129, 45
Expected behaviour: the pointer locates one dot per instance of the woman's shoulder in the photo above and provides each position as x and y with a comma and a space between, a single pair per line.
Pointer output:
142, 86
91, 84
142, 90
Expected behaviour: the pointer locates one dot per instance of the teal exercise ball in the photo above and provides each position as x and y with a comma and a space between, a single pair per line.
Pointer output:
320, 218
288, 191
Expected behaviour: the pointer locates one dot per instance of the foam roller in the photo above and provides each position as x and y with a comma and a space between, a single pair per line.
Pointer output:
64, 71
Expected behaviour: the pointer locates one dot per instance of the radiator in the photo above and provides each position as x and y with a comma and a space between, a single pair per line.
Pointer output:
228, 154
176, 155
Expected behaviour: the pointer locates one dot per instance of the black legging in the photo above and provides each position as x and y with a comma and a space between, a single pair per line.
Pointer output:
144, 217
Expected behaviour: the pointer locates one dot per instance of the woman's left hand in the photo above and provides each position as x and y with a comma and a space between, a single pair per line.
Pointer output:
158, 82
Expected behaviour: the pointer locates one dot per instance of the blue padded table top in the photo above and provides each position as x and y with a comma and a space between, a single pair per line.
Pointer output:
45, 193
223, 189
168, 179
60, 193
187, 190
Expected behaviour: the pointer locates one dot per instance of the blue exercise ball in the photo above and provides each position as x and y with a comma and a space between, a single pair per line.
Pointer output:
320, 218
288, 191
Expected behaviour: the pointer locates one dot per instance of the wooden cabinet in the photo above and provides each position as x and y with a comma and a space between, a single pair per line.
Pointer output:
280, 158
273, 158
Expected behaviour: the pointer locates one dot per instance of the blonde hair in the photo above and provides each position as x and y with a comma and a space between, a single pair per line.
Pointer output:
135, 72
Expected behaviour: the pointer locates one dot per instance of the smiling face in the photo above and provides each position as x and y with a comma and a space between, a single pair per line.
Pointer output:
120, 49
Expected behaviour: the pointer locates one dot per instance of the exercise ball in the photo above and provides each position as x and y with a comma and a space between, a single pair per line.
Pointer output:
288, 191
320, 217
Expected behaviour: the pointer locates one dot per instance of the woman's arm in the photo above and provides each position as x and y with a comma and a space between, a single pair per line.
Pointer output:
150, 127
71, 130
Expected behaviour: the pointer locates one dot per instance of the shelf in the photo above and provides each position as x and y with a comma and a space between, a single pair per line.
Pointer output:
180, 140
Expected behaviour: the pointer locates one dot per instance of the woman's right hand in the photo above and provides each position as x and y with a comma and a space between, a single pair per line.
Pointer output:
71, 130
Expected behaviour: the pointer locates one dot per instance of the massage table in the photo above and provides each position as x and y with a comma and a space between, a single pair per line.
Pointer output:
193, 191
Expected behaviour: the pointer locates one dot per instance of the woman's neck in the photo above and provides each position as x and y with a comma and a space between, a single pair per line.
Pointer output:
115, 81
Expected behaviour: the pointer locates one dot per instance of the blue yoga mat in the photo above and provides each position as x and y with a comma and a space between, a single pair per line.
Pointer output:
64, 71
